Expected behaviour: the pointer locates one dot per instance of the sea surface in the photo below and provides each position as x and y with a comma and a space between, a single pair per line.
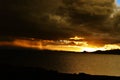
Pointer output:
95, 64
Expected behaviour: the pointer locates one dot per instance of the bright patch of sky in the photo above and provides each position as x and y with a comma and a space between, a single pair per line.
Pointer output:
118, 2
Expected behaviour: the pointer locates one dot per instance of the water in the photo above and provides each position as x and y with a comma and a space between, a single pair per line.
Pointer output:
96, 64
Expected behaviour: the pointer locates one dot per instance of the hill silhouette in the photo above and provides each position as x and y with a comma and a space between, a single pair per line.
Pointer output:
114, 51
13, 49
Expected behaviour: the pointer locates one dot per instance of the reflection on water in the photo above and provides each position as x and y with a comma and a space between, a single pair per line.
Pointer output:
88, 63
98, 64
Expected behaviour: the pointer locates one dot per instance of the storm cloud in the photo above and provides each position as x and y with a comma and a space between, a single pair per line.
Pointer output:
29, 18
91, 19
59, 19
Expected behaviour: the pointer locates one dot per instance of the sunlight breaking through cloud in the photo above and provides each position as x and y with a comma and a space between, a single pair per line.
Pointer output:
75, 44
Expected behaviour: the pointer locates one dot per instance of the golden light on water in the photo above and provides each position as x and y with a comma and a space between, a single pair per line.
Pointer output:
75, 44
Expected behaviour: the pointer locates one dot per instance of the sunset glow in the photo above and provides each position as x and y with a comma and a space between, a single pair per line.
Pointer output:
77, 44
90, 24
77, 38
92, 49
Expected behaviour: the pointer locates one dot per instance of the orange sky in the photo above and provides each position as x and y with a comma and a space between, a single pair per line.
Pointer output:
75, 44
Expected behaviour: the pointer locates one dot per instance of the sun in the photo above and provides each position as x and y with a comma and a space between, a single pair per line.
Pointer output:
89, 49
92, 49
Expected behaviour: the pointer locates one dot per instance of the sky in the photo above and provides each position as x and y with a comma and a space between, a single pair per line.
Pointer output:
118, 2
60, 19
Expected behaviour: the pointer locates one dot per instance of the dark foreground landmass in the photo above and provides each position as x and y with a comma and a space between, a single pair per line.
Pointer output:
30, 73
12, 71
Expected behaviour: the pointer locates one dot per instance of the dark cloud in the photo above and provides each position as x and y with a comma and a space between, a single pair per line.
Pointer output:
92, 19
28, 18
52, 19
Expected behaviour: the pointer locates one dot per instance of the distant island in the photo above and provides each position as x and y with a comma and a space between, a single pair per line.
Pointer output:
6, 49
